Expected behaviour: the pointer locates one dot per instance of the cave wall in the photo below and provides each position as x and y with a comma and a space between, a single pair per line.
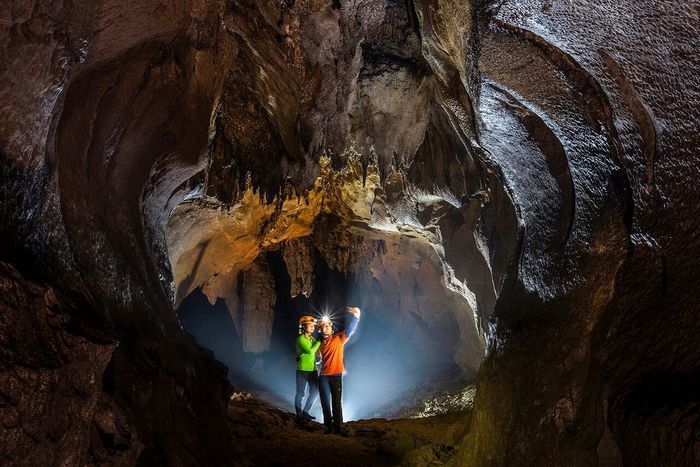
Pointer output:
97, 99
587, 108
54, 408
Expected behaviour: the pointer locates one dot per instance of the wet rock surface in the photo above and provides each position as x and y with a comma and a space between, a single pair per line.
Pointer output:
83, 129
584, 96
510, 177
54, 407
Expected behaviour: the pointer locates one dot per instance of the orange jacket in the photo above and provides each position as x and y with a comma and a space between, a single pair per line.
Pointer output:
332, 354
331, 349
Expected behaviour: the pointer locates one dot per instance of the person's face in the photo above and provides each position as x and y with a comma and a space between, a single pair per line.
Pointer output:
309, 328
327, 328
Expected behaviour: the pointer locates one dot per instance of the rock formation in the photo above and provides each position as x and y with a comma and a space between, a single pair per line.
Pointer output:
585, 107
506, 178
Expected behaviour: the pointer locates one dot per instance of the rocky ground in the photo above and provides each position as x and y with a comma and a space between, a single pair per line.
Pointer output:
270, 437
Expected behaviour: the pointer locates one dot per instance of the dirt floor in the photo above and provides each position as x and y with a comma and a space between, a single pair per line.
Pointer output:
270, 437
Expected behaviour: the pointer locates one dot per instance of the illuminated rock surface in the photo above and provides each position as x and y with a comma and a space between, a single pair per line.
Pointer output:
511, 178
408, 442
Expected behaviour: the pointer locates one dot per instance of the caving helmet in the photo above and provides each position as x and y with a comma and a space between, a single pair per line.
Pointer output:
304, 320
324, 320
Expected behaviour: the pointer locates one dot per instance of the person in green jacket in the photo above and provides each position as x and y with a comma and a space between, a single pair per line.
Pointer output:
307, 376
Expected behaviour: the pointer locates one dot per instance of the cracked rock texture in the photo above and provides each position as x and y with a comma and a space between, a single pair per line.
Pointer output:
515, 177
54, 409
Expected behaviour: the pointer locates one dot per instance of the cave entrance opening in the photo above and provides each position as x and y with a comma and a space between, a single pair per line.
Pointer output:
396, 361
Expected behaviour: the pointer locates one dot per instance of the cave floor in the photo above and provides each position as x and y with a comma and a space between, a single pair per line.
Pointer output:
270, 437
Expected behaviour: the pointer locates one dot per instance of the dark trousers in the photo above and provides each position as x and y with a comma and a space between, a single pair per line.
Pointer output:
306, 379
331, 389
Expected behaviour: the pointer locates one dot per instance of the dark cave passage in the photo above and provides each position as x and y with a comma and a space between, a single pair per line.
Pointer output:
389, 367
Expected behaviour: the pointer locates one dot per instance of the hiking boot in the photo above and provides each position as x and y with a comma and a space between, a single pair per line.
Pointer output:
302, 422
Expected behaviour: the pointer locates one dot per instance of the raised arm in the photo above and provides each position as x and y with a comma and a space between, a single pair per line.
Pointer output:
352, 325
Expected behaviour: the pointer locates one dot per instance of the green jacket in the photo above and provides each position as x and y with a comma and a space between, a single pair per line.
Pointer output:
306, 353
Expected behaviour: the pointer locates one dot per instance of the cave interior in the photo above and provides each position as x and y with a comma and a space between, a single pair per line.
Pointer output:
507, 189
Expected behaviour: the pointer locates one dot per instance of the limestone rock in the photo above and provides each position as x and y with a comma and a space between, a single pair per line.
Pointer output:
256, 307
52, 368
300, 258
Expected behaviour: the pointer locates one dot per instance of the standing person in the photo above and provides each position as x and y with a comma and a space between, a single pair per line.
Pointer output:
307, 376
332, 369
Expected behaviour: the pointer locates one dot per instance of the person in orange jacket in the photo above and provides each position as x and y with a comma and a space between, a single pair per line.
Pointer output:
332, 369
